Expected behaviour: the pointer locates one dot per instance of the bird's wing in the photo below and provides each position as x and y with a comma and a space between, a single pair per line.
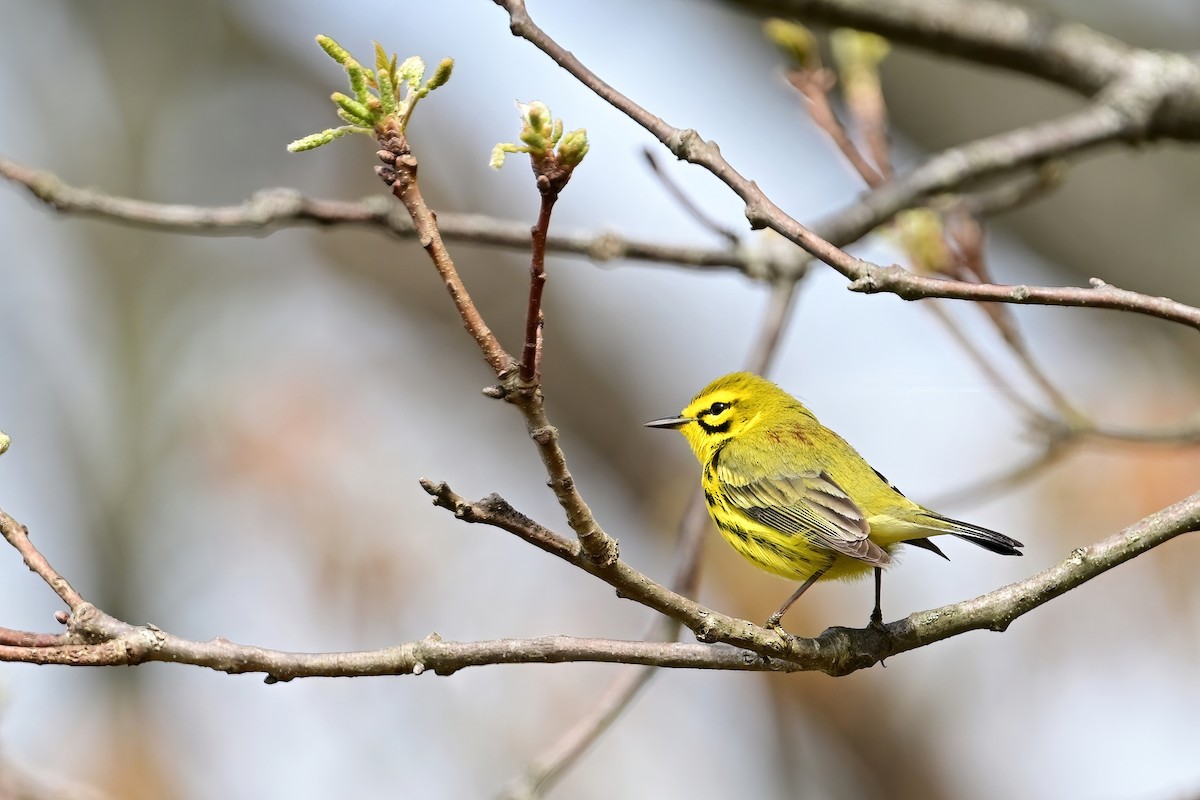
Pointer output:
808, 504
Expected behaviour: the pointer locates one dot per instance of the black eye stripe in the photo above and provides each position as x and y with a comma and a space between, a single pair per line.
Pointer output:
722, 428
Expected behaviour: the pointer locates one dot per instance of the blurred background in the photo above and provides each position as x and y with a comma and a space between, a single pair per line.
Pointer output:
223, 436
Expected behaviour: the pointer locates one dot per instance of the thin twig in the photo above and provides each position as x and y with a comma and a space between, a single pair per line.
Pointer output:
16, 534
545, 769
270, 210
839, 651
686, 203
14, 638
531, 359
814, 86
1123, 113
1053, 450
399, 171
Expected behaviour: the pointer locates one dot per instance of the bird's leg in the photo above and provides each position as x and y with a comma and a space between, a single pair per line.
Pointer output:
877, 613
774, 619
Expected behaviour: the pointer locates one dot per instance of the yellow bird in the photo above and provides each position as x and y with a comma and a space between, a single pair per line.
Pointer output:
796, 499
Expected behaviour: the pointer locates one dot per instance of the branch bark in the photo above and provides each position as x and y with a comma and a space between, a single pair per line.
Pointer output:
275, 209
97, 639
1127, 110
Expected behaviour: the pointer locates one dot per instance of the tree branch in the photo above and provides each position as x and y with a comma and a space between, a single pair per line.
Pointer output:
18, 536
531, 355
840, 651
274, 209
1024, 40
100, 640
399, 172
1126, 111
545, 769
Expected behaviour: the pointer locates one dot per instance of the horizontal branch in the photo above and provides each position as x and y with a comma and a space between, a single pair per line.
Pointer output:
97, 639
910, 286
115, 643
270, 210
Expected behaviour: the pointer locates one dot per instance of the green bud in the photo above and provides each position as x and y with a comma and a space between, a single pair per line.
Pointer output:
412, 72
795, 40
315, 140
387, 92
858, 56
921, 233
5, 441
503, 149
335, 50
440, 75
573, 147
357, 111
358, 81
537, 127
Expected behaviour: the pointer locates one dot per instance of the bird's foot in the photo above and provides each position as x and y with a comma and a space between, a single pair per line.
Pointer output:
773, 623
876, 624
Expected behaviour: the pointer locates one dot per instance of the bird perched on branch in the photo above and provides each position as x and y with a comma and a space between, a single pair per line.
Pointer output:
795, 499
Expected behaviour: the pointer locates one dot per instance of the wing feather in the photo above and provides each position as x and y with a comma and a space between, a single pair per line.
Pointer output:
808, 504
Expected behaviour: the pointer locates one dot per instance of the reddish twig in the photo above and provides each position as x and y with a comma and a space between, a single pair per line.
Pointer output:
531, 360
814, 86
13, 638
399, 171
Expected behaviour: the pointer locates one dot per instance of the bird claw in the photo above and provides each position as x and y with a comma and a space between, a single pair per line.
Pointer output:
773, 624
876, 624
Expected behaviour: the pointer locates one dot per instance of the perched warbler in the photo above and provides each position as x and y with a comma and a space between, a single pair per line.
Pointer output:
796, 499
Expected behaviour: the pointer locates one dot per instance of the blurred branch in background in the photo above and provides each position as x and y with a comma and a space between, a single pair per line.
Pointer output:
275, 209
1127, 113
1137, 95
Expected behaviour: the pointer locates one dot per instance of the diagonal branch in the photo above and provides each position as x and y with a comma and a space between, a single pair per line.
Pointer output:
545, 769
399, 172
1002, 153
17, 535
1126, 112
840, 651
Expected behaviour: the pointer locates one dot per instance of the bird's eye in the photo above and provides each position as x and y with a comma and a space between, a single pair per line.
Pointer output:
717, 408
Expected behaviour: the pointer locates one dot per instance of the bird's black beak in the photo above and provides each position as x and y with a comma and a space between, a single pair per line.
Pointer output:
668, 422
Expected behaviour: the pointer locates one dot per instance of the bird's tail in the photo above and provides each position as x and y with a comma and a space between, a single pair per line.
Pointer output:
985, 538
